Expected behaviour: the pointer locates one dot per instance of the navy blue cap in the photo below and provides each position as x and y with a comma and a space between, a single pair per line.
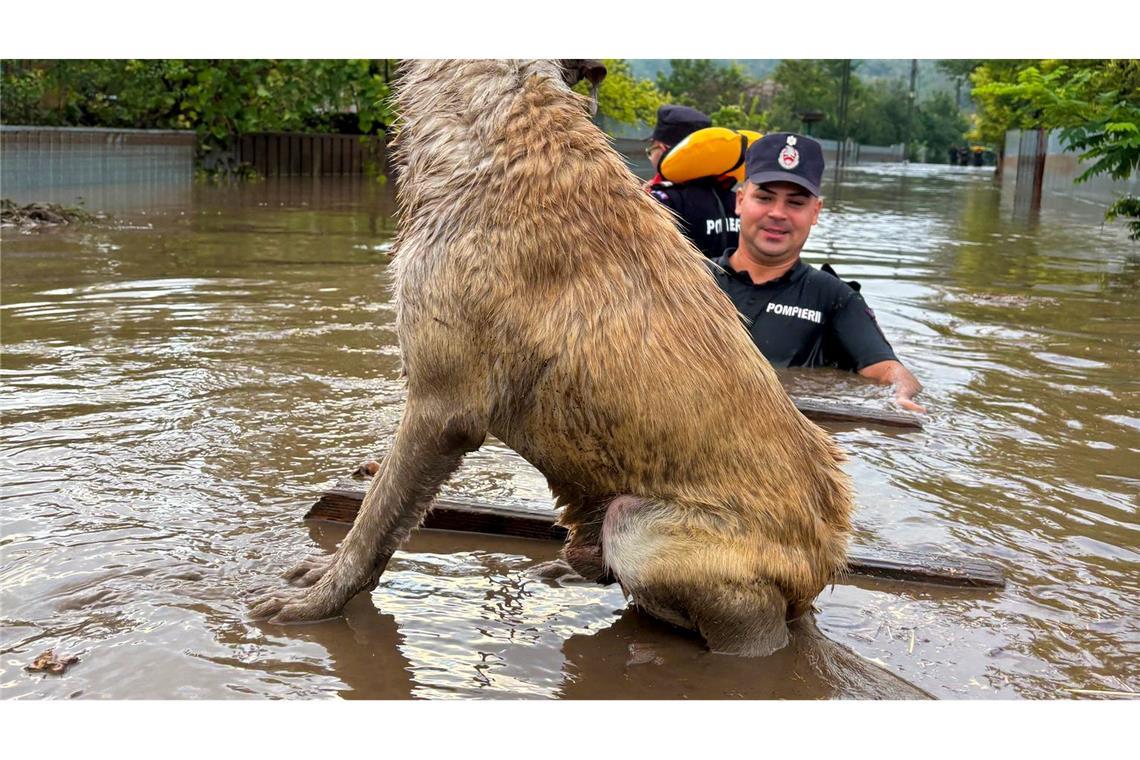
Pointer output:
786, 157
675, 123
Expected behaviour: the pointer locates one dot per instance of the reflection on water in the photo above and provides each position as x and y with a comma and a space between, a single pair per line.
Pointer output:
179, 384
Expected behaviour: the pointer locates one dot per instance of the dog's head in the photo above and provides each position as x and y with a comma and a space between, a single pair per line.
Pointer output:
574, 70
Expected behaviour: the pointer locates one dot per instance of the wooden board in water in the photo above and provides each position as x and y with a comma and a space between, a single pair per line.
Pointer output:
831, 411
342, 502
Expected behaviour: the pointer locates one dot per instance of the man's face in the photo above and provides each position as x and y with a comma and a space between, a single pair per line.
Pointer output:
655, 151
775, 219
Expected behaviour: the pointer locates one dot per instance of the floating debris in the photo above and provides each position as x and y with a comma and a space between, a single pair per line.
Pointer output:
1005, 300
49, 663
41, 214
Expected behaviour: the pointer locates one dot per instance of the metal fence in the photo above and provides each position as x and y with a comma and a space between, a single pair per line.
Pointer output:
100, 168
282, 154
1038, 167
111, 169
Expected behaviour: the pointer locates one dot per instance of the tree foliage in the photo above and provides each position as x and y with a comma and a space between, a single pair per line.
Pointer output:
217, 98
994, 115
879, 111
743, 116
808, 85
1128, 207
958, 67
703, 84
941, 125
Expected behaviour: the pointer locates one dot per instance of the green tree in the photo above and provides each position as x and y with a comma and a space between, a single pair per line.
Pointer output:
703, 84
23, 91
807, 85
994, 115
959, 69
940, 125
878, 112
742, 116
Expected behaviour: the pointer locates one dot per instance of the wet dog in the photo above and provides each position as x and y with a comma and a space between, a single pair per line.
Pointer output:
543, 298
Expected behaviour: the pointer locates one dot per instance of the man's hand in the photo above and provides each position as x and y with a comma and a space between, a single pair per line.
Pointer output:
906, 385
909, 405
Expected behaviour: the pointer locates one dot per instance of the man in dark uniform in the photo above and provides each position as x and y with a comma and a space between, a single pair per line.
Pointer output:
704, 207
799, 316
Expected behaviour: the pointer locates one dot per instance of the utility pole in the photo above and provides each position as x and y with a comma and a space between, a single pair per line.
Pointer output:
910, 110
844, 97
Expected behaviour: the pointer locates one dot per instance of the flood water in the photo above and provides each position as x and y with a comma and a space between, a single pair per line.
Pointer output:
181, 382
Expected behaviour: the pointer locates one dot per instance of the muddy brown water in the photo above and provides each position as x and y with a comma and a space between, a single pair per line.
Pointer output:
180, 384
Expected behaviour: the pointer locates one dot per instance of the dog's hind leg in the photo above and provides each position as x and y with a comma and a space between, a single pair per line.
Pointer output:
693, 582
748, 620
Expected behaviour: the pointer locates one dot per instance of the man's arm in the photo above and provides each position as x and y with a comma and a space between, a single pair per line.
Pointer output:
858, 332
906, 385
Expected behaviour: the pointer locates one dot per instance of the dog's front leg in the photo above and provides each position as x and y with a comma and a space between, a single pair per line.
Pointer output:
430, 443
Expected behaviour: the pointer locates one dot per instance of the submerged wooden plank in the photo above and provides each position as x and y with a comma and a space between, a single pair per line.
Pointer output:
830, 411
341, 503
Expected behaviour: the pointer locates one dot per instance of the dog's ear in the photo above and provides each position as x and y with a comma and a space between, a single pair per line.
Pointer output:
574, 70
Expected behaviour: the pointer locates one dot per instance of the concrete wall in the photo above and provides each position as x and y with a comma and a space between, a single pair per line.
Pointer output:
102, 169
861, 154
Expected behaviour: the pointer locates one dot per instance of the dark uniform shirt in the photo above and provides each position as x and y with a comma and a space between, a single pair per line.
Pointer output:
806, 318
707, 212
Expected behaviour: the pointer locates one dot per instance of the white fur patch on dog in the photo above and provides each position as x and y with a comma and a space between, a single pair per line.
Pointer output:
631, 539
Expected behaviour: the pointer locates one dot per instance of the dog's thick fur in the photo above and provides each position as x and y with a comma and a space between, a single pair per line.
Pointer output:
544, 298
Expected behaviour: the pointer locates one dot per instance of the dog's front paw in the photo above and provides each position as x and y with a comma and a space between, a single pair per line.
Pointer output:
295, 606
309, 571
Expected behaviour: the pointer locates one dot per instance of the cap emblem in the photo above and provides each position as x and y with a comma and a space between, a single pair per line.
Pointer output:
789, 156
